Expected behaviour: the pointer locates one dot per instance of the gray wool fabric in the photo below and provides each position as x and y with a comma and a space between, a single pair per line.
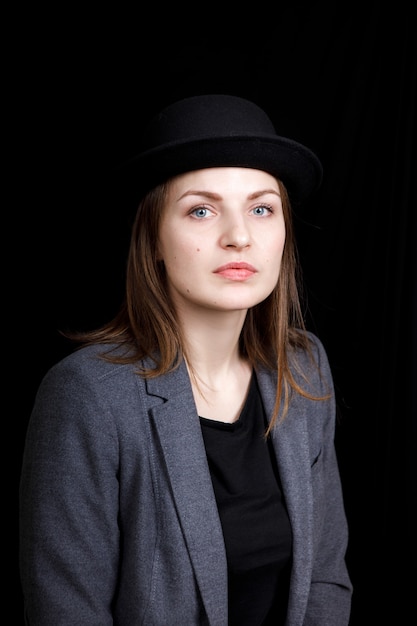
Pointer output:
118, 518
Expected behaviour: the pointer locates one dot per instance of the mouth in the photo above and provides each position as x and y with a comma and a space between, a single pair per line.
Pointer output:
237, 271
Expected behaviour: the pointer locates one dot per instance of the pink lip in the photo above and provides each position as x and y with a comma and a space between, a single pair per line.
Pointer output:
238, 271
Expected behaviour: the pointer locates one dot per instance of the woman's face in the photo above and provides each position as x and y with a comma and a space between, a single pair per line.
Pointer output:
221, 238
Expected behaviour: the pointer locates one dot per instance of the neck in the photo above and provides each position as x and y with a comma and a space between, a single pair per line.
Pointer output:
212, 343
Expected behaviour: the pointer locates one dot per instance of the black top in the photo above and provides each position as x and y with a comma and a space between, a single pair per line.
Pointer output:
255, 522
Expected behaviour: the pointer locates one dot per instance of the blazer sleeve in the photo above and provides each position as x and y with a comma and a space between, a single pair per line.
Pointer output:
68, 504
329, 600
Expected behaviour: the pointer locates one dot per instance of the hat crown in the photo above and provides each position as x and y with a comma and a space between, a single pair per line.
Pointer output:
207, 117
217, 130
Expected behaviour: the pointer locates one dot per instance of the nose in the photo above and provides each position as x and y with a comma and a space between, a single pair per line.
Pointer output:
235, 234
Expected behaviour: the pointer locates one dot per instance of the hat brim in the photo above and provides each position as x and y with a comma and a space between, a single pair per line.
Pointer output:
295, 165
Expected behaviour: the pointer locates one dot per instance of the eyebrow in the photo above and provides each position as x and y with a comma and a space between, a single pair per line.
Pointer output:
215, 196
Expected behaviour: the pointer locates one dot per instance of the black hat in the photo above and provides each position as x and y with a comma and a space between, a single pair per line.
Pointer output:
220, 131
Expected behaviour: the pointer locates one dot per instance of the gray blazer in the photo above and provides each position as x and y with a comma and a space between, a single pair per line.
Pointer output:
119, 523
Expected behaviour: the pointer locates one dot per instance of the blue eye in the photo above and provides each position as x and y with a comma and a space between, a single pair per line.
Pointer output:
262, 210
200, 212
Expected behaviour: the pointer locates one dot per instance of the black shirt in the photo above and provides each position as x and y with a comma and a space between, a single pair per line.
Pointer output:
256, 528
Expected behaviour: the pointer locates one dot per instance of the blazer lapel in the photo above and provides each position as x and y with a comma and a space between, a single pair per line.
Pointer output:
290, 443
179, 431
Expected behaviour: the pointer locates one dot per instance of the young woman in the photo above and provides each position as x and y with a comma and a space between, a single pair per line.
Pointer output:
179, 467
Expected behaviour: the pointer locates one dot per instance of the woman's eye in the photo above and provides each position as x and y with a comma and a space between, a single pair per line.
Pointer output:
200, 212
262, 210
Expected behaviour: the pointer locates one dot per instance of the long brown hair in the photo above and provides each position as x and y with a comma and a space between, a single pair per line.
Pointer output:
147, 325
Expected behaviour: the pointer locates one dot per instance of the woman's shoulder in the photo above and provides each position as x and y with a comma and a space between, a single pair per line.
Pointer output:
311, 360
309, 346
317, 345
90, 365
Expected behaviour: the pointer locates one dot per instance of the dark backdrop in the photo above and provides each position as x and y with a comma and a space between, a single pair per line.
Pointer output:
342, 80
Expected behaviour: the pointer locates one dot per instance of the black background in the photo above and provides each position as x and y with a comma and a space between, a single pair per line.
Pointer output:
338, 78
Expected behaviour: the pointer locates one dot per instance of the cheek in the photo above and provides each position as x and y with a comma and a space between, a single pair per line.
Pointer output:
179, 256
281, 241
274, 249
276, 246
170, 245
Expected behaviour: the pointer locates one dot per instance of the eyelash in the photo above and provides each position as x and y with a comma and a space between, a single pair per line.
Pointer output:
193, 212
264, 206
198, 208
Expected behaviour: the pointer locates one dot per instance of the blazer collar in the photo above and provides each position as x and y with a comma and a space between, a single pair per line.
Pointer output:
178, 427
176, 422
291, 446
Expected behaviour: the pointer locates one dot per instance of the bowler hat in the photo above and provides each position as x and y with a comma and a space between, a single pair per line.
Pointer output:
218, 130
